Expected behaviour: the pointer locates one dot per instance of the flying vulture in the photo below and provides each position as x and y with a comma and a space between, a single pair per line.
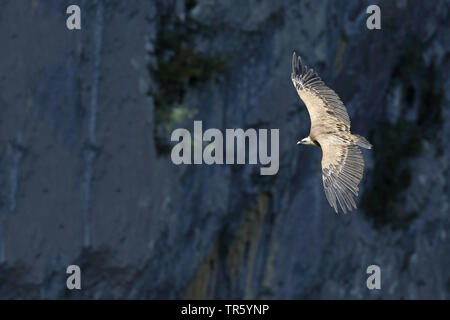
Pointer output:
342, 161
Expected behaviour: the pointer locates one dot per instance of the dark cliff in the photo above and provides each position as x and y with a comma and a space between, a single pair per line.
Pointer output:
85, 170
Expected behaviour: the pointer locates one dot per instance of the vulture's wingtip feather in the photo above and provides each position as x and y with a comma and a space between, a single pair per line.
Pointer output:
293, 62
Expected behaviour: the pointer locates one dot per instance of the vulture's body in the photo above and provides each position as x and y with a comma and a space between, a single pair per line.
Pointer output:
342, 161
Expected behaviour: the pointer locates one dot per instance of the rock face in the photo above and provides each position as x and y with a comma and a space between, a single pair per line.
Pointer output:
85, 170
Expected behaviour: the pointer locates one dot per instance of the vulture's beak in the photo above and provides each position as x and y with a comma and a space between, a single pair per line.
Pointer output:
299, 142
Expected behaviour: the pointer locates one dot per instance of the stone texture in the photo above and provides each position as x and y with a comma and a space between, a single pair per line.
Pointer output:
81, 180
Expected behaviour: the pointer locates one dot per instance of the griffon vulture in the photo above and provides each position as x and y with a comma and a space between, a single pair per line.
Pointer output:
342, 161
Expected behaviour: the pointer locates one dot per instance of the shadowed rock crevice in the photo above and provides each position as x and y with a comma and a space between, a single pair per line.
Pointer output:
242, 266
415, 116
179, 66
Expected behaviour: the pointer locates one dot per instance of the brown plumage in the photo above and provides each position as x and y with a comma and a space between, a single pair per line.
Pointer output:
342, 161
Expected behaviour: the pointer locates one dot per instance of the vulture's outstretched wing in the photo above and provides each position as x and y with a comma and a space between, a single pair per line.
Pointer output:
342, 161
320, 100
342, 170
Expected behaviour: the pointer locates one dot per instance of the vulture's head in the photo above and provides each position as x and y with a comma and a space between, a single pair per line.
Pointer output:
308, 142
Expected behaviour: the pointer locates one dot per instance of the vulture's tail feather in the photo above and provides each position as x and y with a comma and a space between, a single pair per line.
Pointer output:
362, 142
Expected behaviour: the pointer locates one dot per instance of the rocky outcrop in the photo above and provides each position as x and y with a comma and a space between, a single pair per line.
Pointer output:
85, 170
